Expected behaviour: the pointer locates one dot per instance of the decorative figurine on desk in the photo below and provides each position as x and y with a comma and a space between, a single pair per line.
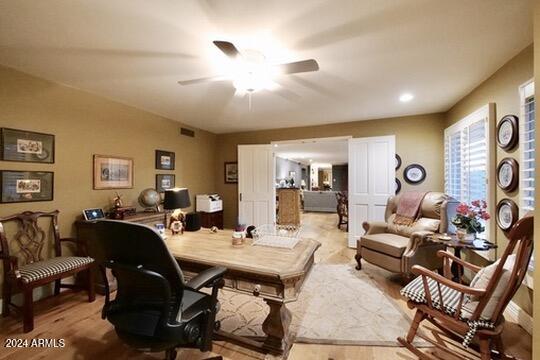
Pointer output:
117, 201
176, 226
214, 229
119, 211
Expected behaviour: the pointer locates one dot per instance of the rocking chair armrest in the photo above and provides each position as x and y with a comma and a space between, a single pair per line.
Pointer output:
465, 264
420, 270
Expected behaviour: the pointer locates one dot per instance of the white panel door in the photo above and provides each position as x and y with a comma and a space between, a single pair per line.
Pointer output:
371, 181
256, 192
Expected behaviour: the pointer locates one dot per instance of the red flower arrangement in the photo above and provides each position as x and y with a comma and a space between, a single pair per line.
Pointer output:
468, 216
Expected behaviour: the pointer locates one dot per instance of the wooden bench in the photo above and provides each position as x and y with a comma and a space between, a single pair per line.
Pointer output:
35, 271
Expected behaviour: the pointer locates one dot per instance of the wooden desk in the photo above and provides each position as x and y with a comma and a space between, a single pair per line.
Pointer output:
275, 274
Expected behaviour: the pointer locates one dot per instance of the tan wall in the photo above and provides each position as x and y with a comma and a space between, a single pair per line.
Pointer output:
536, 308
419, 139
502, 88
86, 124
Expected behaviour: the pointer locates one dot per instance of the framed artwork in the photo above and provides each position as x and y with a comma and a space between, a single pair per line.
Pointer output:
398, 161
231, 172
164, 182
507, 132
414, 174
26, 186
507, 214
113, 172
508, 174
397, 188
26, 146
164, 160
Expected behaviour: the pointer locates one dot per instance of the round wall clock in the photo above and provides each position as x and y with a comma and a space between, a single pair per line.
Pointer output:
398, 161
507, 214
397, 188
508, 174
414, 174
507, 132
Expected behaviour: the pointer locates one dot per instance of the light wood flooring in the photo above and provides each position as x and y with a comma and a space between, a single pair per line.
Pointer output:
87, 336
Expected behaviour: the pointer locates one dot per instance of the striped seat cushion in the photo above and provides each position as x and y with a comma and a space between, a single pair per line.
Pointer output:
414, 291
42, 269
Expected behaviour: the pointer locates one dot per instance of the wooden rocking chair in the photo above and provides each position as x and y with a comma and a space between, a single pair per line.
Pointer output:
470, 312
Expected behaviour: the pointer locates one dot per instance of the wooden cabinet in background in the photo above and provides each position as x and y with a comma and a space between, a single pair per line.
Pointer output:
289, 206
209, 219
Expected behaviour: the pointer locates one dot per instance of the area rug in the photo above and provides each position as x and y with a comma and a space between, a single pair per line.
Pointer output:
337, 305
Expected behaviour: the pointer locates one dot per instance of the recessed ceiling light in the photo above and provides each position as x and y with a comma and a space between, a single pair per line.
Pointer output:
275, 145
310, 160
406, 97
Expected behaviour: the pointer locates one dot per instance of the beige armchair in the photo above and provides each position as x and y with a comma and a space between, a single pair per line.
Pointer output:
397, 248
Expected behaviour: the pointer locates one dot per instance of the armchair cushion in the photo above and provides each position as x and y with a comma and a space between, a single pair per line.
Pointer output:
43, 269
391, 244
422, 224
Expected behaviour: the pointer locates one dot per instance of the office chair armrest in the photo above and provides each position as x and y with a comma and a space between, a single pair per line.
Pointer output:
207, 278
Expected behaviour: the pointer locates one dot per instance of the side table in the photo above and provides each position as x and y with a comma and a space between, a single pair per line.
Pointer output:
458, 245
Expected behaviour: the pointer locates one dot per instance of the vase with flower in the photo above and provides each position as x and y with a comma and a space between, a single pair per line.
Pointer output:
468, 220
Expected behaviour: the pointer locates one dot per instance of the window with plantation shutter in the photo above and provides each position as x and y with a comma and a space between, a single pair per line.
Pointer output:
466, 158
527, 149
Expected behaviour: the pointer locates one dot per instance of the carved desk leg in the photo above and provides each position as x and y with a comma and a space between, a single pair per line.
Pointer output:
276, 327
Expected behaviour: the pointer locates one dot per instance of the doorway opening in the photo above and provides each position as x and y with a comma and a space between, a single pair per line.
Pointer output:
311, 175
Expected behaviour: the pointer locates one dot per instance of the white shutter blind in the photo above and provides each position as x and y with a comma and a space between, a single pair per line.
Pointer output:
466, 158
527, 150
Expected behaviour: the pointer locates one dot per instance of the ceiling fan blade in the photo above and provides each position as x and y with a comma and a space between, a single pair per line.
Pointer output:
299, 66
228, 48
202, 80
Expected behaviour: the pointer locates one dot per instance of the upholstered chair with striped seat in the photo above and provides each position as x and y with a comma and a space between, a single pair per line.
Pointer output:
471, 312
23, 242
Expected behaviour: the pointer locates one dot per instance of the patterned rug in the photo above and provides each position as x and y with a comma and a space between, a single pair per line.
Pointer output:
337, 305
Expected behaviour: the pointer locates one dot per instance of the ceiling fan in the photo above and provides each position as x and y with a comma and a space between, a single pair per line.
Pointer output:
252, 71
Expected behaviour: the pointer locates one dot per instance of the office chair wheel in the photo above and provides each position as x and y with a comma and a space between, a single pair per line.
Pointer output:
217, 325
171, 354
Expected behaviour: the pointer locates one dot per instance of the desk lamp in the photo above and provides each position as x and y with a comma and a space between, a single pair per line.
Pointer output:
177, 199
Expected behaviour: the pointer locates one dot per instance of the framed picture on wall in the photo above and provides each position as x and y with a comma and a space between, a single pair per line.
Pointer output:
164, 182
164, 160
113, 172
414, 174
26, 146
507, 132
231, 172
26, 186
508, 174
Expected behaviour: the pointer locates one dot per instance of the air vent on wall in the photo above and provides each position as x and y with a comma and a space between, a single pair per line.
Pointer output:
187, 132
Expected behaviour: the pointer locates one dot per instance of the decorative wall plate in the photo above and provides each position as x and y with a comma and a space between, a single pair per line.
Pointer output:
414, 174
507, 132
398, 161
507, 214
397, 188
508, 174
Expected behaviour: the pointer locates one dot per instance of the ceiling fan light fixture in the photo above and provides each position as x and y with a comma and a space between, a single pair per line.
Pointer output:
406, 97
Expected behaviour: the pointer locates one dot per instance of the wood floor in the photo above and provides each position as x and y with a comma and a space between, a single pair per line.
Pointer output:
87, 336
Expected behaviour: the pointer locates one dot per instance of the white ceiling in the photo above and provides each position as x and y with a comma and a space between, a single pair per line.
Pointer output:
320, 152
369, 52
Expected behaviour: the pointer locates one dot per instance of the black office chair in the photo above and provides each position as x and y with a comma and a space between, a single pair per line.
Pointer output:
154, 309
